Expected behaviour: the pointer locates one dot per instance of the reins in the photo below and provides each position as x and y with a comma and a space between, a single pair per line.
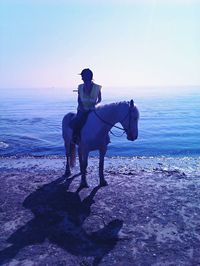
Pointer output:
110, 124
118, 136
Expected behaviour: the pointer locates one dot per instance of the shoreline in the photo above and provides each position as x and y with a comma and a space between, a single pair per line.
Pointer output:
185, 164
147, 215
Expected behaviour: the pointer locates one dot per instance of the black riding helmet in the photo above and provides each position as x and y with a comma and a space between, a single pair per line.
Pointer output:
86, 74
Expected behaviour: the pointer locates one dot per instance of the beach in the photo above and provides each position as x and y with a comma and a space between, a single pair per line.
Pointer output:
147, 215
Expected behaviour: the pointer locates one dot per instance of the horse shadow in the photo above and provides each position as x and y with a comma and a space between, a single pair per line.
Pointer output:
59, 216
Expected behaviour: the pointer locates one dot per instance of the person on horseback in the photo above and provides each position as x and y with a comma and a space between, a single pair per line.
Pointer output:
89, 94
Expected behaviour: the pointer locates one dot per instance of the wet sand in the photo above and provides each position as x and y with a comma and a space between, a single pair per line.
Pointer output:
149, 214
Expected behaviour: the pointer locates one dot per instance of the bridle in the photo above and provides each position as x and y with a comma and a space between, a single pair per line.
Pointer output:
128, 115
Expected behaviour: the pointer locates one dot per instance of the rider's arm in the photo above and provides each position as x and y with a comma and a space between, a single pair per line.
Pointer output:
80, 104
99, 97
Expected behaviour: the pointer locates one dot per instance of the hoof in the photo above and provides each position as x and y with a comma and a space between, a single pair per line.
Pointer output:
103, 183
84, 185
67, 174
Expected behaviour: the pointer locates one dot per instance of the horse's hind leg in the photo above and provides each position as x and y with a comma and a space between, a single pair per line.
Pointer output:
67, 168
83, 160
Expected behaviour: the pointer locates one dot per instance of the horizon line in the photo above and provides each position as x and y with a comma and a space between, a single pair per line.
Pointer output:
108, 86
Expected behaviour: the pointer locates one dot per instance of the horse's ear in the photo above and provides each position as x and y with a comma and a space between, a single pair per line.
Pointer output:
132, 103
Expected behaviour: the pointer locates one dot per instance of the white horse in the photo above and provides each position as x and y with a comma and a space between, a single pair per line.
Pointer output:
94, 135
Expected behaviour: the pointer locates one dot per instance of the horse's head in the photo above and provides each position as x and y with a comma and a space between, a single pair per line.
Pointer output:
130, 122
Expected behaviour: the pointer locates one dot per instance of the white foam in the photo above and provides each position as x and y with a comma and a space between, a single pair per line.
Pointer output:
3, 145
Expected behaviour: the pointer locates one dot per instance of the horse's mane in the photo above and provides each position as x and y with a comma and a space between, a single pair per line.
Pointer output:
100, 107
104, 107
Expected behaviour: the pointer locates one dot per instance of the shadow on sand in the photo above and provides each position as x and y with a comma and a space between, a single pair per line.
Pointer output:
58, 216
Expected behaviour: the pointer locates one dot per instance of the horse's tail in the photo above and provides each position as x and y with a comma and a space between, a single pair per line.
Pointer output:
72, 160
65, 126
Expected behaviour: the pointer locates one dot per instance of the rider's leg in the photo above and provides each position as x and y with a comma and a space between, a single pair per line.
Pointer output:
79, 122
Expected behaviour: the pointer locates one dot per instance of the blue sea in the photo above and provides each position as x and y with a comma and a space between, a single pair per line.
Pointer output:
169, 125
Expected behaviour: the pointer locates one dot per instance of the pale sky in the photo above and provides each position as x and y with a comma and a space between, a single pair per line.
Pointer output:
125, 43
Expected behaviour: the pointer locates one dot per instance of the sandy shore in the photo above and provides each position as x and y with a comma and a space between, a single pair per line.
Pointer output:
149, 214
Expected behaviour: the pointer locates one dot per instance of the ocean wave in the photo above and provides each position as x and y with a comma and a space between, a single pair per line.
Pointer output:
27, 121
3, 145
32, 120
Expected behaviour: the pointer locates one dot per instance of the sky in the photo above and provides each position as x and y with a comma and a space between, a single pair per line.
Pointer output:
125, 43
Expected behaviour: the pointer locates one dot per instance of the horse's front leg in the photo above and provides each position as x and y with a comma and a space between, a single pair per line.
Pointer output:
80, 158
67, 168
83, 160
102, 153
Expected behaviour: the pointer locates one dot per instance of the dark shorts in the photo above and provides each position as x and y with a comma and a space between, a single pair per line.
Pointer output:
79, 121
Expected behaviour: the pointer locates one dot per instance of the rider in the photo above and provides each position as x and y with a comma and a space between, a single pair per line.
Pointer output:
89, 94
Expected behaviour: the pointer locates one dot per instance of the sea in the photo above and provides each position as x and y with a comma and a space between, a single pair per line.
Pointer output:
169, 124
